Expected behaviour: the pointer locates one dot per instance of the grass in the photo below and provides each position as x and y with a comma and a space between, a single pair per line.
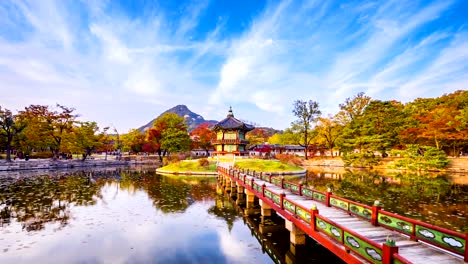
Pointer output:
189, 165
266, 165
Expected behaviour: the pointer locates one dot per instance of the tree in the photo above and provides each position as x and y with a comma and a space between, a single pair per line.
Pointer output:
169, 134
258, 136
83, 138
328, 130
420, 158
353, 108
307, 113
204, 135
349, 117
10, 126
47, 128
288, 137
134, 141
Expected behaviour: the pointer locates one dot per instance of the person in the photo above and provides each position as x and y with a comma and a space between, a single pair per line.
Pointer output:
26, 157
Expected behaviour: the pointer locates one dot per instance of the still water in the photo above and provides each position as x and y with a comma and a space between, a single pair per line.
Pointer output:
438, 199
135, 216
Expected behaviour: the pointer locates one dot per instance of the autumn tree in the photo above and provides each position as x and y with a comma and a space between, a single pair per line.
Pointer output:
258, 136
46, 127
133, 141
168, 134
440, 122
204, 135
10, 126
328, 130
288, 137
84, 138
307, 113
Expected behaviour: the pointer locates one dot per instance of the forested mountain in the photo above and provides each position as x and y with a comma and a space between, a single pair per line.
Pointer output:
192, 119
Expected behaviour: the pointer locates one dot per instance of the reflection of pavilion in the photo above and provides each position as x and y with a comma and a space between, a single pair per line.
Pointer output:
224, 209
229, 209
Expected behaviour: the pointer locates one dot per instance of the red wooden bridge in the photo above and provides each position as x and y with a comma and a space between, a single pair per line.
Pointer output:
353, 231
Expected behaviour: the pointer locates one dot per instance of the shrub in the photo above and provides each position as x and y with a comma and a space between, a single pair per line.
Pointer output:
420, 158
290, 159
360, 159
203, 162
41, 155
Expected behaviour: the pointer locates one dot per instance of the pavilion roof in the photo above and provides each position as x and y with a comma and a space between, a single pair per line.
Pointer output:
232, 123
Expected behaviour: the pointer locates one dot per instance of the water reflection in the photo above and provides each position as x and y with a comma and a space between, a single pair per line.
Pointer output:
121, 216
432, 198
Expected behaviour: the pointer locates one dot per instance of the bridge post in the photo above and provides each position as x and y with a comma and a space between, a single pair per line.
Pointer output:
296, 235
265, 208
327, 197
313, 212
466, 248
240, 188
375, 213
387, 252
282, 182
300, 189
282, 195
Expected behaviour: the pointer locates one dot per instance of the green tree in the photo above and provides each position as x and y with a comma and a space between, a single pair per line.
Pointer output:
10, 126
307, 113
169, 134
419, 158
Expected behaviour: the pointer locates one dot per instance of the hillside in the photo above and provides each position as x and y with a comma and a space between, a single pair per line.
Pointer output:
192, 119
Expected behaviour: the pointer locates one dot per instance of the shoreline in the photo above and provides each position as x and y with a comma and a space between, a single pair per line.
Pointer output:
48, 164
456, 165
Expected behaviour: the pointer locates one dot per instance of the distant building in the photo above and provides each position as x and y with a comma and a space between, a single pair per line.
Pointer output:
230, 136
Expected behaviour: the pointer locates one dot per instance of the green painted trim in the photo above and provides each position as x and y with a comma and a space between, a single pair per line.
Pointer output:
366, 250
447, 241
395, 223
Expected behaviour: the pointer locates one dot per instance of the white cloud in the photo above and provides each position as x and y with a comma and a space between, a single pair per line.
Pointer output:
142, 65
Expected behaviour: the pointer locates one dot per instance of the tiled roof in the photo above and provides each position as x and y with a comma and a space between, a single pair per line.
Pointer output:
230, 122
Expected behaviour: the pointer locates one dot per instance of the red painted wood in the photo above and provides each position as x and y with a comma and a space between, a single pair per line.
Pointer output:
387, 253
327, 198
339, 250
375, 215
466, 248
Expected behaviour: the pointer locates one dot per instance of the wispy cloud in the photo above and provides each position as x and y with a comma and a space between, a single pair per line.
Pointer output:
122, 67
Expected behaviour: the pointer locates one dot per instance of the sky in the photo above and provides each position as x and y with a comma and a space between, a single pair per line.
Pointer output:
122, 63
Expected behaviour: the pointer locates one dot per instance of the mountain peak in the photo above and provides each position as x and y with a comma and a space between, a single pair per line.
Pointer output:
192, 119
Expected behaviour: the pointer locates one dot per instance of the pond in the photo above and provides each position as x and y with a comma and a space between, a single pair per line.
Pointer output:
133, 216
438, 199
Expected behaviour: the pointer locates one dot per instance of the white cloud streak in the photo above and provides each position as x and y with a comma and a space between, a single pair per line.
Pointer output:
125, 70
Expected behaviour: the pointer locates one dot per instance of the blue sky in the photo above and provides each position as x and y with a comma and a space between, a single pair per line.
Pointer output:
123, 63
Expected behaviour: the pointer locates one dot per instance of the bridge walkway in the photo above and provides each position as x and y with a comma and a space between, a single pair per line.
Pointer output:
412, 251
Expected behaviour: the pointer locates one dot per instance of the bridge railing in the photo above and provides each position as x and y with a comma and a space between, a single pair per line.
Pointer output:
352, 241
443, 238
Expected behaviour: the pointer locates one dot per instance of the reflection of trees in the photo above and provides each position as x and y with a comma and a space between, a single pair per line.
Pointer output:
426, 197
170, 195
224, 209
45, 199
